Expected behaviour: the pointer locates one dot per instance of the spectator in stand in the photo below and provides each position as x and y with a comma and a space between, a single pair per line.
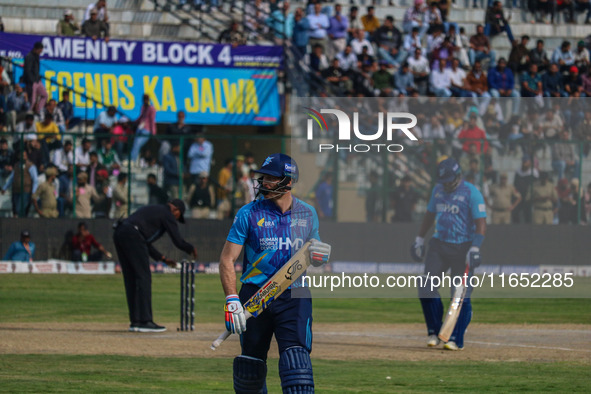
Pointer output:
67, 109
495, 22
584, 6
17, 104
319, 23
404, 201
35, 153
255, 17
457, 76
85, 194
564, 158
404, 81
49, 136
412, 41
46, 194
360, 42
23, 250
383, 81
434, 42
32, 78
567, 197
581, 55
480, 47
583, 131
324, 197
146, 126
419, 66
501, 83
369, 21
477, 84
347, 58
58, 117
102, 207
65, 194
93, 168
101, 8
337, 32
522, 181
67, 26
467, 159
120, 197
531, 83
459, 50
389, 41
95, 28
504, 200
233, 36
433, 17
177, 131
338, 81
24, 183
301, 35
551, 124
552, 83
108, 157
7, 160
82, 154
225, 182
573, 83
542, 9
569, 7
172, 174
543, 198
563, 56
156, 195
201, 197
519, 56
199, 156
104, 123
415, 17
82, 244
587, 201
280, 23
539, 57
440, 81
64, 157
354, 22
473, 135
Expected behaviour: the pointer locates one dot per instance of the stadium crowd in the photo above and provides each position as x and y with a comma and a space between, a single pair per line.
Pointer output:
425, 54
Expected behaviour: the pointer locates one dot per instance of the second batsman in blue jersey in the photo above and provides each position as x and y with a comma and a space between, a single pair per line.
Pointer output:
458, 211
271, 229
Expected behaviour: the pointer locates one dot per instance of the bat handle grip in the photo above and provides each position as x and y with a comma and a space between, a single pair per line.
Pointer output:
223, 336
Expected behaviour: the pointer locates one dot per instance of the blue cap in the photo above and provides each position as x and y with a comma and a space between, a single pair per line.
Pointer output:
447, 170
280, 165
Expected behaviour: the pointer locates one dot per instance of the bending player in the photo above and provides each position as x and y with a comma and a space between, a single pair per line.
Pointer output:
457, 208
271, 230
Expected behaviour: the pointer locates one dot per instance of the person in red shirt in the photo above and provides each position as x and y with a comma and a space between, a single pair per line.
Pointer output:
82, 244
472, 135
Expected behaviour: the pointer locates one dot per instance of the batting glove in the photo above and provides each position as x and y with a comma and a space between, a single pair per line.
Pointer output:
319, 252
235, 319
473, 257
417, 250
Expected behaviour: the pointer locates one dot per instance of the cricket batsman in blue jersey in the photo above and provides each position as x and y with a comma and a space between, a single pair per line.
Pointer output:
458, 210
271, 229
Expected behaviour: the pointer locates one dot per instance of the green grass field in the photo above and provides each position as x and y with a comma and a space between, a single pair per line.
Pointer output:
72, 298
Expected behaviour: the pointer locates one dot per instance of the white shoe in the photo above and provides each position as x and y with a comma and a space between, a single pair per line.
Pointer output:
433, 341
451, 345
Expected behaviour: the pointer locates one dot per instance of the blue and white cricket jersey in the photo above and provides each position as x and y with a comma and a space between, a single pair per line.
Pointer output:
270, 237
455, 212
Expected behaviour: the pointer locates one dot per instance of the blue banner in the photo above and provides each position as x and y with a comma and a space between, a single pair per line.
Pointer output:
208, 95
81, 49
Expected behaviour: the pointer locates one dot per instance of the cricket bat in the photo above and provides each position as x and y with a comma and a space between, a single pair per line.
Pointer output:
274, 287
455, 307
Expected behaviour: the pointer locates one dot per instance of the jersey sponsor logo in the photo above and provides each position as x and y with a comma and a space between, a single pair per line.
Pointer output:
276, 243
290, 168
265, 224
299, 222
448, 208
